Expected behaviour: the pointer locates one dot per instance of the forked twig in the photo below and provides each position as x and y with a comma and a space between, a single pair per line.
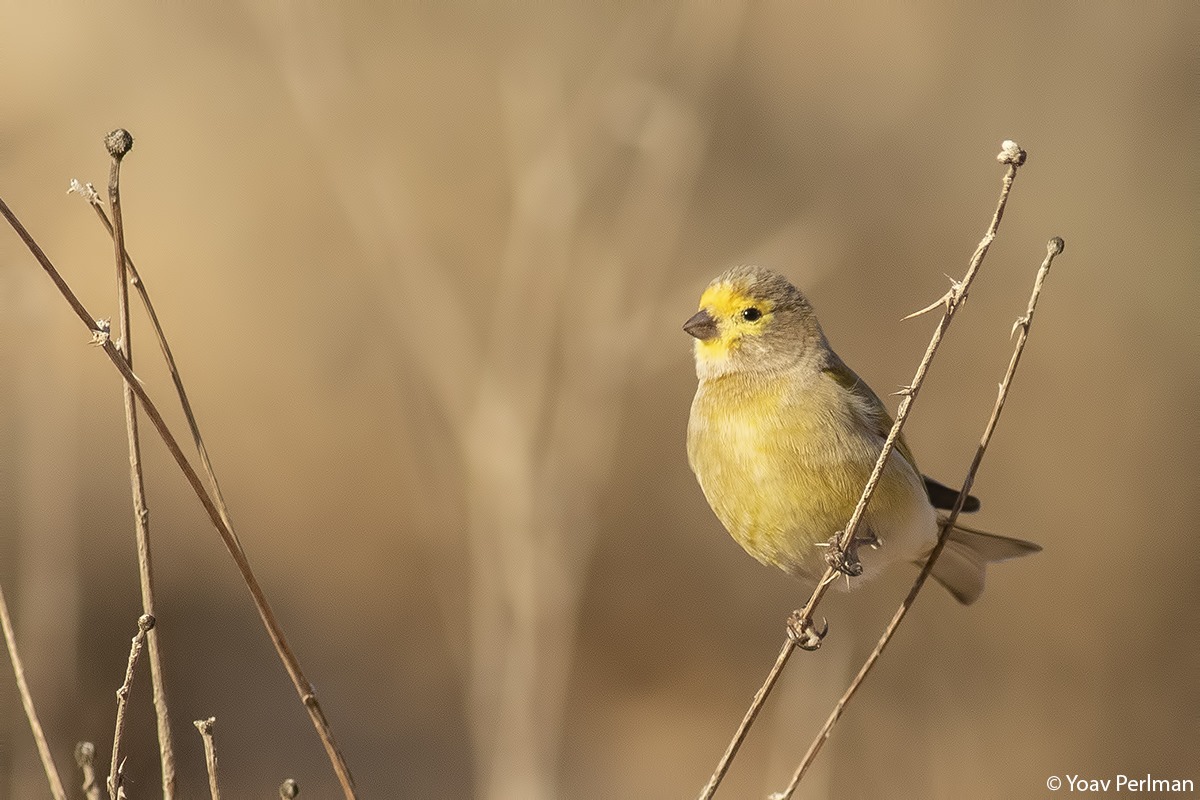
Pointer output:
1021, 327
102, 339
118, 143
145, 623
39, 737
801, 630
205, 726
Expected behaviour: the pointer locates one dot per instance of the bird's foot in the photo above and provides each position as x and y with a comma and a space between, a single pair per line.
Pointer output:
804, 633
847, 562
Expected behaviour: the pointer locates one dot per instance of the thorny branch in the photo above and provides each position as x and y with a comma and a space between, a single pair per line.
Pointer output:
801, 630
1021, 327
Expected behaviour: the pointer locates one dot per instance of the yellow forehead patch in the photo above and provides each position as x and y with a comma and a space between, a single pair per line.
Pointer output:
724, 301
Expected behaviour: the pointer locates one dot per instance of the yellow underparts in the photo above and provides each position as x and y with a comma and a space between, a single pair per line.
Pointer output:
781, 472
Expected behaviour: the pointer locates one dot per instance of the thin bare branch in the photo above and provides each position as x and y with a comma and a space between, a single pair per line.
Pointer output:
1013, 156
205, 726
101, 339
10, 639
801, 630
1053, 248
145, 623
760, 698
118, 143
88, 192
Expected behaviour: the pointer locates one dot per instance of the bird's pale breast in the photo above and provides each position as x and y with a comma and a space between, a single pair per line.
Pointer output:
782, 461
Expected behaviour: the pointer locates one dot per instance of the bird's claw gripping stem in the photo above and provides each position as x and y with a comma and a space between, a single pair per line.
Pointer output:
804, 633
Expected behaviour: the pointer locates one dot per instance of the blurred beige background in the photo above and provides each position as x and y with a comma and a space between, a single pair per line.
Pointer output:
425, 270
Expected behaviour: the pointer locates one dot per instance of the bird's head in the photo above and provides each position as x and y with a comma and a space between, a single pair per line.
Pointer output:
752, 319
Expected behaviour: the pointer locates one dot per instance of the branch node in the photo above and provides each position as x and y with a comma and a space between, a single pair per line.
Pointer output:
944, 299
958, 294
116, 781
953, 296
101, 333
205, 726
1022, 323
87, 191
1011, 153
118, 143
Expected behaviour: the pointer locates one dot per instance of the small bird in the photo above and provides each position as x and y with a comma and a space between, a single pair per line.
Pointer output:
783, 436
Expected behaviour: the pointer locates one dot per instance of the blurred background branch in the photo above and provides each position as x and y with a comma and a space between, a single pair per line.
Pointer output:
539, 375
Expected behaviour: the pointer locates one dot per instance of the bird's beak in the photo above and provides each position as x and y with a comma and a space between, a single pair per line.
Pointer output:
701, 325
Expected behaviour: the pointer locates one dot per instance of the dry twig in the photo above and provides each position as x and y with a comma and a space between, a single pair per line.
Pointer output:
101, 338
10, 639
145, 623
118, 143
89, 193
1053, 248
205, 726
801, 630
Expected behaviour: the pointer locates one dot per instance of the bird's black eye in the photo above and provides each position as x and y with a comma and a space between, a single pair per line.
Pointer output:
751, 314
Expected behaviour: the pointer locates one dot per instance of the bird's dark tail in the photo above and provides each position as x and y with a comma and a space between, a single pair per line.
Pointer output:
962, 566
